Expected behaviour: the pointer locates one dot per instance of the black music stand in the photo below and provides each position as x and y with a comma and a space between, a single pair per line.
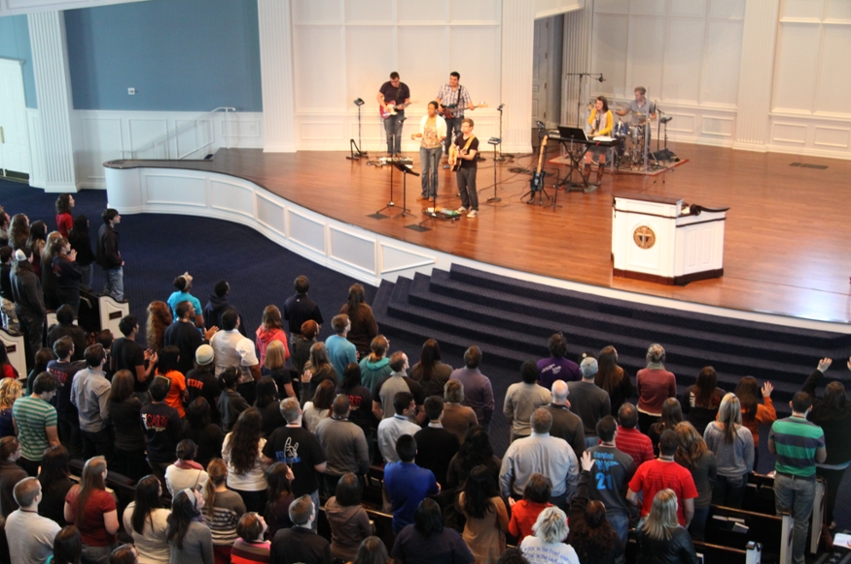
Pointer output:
391, 203
406, 170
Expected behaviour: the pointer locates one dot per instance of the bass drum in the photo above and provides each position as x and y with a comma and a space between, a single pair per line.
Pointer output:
621, 130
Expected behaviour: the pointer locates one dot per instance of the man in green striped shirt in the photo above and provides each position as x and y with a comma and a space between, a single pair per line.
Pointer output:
798, 445
36, 421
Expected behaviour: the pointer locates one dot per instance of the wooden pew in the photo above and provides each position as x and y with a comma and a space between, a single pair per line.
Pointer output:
773, 532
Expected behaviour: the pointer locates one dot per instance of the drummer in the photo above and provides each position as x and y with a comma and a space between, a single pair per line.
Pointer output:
641, 106
600, 121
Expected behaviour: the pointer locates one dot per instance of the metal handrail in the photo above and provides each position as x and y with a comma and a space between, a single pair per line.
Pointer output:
189, 125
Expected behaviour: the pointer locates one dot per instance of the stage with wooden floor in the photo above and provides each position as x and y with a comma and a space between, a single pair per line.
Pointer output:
788, 237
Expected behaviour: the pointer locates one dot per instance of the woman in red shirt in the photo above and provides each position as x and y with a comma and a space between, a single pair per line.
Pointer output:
94, 512
64, 217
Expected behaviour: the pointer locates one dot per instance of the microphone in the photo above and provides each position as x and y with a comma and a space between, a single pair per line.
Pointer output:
540, 124
499, 109
601, 79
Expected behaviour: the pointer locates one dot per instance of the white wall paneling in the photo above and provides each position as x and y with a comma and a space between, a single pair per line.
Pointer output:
346, 49
105, 135
276, 71
685, 52
549, 8
36, 147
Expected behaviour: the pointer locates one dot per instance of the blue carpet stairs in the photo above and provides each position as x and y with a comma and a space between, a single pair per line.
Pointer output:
511, 321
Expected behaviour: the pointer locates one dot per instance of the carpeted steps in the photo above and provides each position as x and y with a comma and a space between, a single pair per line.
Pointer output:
511, 321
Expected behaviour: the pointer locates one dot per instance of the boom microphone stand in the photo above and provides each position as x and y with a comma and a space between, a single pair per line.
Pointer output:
502, 156
494, 141
598, 76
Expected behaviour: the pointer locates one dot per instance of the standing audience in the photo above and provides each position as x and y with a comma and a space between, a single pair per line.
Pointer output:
54, 476
654, 385
94, 512
30, 535
242, 450
700, 402
224, 508
693, 455
90, 395
613, 379
364, 328
347, 518
35, 418
733, 446
189, 538
486, 516
522, 399
661, 538
146, 520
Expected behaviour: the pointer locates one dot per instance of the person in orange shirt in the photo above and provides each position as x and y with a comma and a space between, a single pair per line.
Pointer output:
167, 367
755, 414
524, 513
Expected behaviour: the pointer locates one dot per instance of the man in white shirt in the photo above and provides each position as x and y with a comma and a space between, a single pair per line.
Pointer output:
89, 394
390, 429
233, 349
29, 534
540, 453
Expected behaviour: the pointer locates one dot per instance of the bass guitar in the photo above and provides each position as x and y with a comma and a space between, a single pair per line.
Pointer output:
537, 182
392, 108
447, 111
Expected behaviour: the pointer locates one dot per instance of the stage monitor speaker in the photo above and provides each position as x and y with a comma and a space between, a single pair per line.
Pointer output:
665, 155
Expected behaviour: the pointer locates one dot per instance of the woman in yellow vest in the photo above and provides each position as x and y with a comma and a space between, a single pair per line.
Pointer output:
601, 122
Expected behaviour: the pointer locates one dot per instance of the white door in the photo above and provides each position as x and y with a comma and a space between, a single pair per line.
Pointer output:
541, 71
14, 139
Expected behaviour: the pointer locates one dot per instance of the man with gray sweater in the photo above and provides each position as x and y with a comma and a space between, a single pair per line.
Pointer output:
344, 444
590, 402
522, 399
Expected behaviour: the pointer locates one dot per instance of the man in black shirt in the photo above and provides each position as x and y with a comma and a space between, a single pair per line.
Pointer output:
202, 383
186, 336
300, 544
68, 421
163, 428
128, 355
217, 304
300, 308
63, 327
299, 449
393, 96
467, 147
435, 445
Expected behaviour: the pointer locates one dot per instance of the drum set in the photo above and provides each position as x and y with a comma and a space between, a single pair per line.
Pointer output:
633, 141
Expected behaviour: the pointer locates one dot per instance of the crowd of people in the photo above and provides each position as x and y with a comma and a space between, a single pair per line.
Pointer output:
235, 444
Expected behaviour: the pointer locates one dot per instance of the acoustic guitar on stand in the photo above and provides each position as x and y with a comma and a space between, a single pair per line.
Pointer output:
392, 108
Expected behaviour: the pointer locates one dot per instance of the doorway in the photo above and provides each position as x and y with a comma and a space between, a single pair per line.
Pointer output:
546, 71
14, 137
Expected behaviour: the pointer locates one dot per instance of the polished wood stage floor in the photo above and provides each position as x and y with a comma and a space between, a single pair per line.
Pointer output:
788, 234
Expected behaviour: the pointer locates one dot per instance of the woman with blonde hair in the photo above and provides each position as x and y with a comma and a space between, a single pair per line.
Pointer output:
10, 391
93, 510
661, 539
547, 545
274, 365
733, 446
694, 456
223, 509
159, 318
271, 329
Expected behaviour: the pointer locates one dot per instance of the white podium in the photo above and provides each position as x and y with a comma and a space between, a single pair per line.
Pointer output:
665, 240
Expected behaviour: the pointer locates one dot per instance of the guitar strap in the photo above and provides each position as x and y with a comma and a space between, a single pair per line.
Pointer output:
469, 142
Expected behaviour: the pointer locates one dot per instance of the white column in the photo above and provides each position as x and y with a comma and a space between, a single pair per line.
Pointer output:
518, 42
53, 91
576, 58
756, 75
276, 71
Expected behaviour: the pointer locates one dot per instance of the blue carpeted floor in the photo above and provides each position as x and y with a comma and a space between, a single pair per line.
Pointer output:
158, 247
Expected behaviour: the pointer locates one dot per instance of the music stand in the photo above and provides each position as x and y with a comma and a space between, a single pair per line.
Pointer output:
391, 203
406, 170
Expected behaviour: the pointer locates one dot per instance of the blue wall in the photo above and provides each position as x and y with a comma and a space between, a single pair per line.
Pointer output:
179, 55
15, 44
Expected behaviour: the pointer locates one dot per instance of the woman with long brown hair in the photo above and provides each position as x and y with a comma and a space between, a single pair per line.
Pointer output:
613, 378
733, 446
271, 329
242, 451
364, 328
146, 520
159, 318
317, 369
319, 407
430, 372
672, 414
695, 457
486, 516
93, 510
700, 402
591, 535
125, 410
188, 536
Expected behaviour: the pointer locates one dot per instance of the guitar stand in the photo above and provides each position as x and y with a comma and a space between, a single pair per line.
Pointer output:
356, 153
539, 194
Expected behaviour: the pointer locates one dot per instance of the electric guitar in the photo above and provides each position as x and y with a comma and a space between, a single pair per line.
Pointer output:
392, 109
447, 110
537, 181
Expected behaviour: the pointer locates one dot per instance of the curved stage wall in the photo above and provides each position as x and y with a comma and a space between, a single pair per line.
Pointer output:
135, 187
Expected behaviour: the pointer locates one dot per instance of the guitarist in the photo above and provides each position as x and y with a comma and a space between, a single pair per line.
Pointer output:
393, 96
452, 100
464, 150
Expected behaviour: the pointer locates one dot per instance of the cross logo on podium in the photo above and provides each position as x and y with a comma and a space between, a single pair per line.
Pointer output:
644, 237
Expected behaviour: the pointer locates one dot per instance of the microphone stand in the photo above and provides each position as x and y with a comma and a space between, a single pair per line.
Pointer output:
502, 156
581, 75
354, 148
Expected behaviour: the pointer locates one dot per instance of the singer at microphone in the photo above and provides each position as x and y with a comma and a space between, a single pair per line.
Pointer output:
601, 123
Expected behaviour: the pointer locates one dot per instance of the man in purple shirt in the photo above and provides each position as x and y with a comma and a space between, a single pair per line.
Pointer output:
478, 392
557, 367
